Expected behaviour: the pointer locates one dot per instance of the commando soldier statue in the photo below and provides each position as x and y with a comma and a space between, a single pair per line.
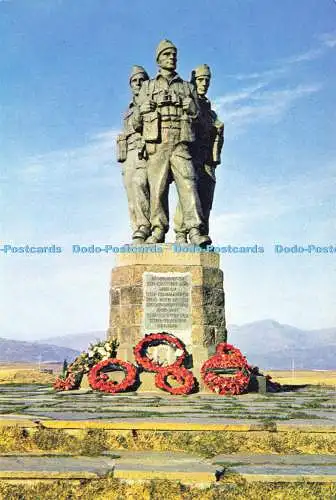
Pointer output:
167, 112
133, 155
206, 151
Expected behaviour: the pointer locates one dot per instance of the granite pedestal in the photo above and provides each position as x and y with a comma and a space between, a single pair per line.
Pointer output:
172, 289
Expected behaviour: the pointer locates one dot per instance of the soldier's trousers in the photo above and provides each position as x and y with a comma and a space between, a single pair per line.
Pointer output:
134, 172
206, 183
173, 159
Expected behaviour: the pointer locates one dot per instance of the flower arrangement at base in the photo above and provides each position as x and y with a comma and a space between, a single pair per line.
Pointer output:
72, 375
68, 382
227, 372
155, 339
104, 349
180, 374
99, 380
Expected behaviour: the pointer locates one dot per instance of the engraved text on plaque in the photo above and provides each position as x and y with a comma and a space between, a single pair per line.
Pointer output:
167, 304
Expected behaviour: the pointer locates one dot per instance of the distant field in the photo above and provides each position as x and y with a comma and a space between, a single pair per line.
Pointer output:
314, 377
28, 373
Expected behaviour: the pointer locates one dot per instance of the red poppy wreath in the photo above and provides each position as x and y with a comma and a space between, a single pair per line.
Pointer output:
155, 339
99, 380
228, 359
180, 374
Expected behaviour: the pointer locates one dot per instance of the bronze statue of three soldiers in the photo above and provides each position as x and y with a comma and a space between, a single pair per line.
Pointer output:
170, 134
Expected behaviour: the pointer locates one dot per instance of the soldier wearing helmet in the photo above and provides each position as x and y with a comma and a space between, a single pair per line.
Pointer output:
168, 109
206, 151
132, 154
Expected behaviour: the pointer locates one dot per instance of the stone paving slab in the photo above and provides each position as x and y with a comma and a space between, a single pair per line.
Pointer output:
274, 459
78, 415
136, 409
30, 467
184, 467
295, 473
165, 465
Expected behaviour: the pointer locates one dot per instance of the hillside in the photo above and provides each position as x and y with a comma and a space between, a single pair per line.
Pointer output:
79, 341
19, 351
270, 344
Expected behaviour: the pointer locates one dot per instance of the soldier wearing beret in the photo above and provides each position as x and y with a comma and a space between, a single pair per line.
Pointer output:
167, 111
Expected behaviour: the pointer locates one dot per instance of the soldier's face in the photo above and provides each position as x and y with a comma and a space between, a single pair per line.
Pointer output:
202, 84
167, 59
136, 83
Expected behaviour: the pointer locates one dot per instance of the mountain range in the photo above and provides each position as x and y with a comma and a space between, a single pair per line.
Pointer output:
272, 345
266, 343
30, 352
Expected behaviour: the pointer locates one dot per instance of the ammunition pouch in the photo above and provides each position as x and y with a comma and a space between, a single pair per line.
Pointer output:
150, 148
187, 129
217, 149
151, 127
142, 150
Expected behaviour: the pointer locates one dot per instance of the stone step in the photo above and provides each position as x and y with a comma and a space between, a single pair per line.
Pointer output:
175, 466
52, 467
128, 466
188, 468
274, 459
279, 468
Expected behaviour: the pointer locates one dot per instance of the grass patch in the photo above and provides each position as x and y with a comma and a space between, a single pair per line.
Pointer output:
315, 403
231, 488
207, 444
13, 409
303, 415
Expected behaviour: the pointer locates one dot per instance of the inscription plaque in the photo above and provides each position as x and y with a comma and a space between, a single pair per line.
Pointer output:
167, 304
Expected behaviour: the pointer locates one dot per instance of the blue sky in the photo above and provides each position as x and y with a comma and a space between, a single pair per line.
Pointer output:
64, 69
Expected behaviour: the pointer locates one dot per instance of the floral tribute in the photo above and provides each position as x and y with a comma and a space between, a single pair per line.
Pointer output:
180, 374
175, 370
72, 374
68, 382
155, 339
227, 372
99, 380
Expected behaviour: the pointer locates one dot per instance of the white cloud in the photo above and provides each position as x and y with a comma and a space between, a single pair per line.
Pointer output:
267, 98
262, 204
309, 55
92, 162
259, 103
328, 39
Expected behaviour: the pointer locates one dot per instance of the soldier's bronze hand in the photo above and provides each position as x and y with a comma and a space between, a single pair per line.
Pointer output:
147, 107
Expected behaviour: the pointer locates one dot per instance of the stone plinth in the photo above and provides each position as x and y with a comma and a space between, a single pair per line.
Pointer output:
191, 282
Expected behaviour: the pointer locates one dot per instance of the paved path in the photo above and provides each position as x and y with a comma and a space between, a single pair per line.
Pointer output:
310, 406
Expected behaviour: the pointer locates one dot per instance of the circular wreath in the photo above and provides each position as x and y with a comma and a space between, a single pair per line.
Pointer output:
155, 339
100, 381
180, 374
227, 356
